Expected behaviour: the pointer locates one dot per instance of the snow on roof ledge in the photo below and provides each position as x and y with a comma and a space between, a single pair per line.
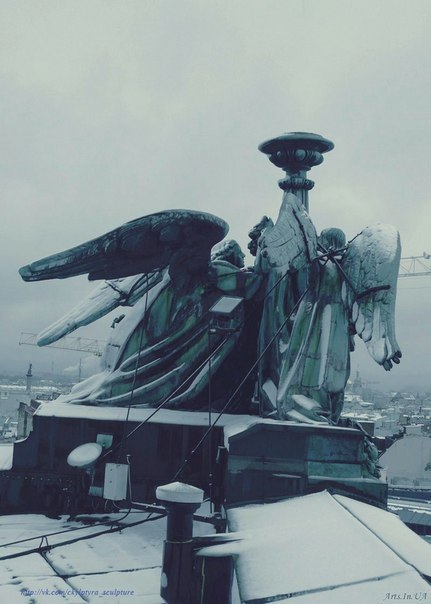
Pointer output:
323, 548
388, 527
235, 423
6, 456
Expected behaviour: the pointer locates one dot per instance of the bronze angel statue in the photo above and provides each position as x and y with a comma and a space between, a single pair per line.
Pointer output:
321, 291
162, 267
305, 298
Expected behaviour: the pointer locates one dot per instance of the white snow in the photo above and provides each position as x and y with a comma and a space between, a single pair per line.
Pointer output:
107, 296
313, 547
163, 416
6, 456
84, 455
115, 568
392, 532
369, 592
388, 240
231, 424
317, 549
140, 587
270, 390
180, 493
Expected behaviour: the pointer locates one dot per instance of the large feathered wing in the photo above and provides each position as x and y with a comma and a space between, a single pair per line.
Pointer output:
143, 245
371, 265
107, 296
134, 258
291, 243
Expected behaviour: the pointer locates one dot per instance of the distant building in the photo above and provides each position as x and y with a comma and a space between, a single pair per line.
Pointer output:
408, 461
357, 384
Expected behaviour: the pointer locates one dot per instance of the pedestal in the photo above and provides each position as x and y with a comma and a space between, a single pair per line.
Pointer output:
274, 460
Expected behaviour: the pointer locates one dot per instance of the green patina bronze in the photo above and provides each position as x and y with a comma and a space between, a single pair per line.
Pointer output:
305, 298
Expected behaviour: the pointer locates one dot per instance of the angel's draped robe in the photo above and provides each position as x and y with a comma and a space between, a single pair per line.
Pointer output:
166, 341
316, 361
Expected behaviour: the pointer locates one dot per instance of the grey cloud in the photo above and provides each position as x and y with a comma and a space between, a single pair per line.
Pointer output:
114, 110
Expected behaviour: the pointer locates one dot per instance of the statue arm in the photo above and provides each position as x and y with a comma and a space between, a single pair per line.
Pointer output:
235, 281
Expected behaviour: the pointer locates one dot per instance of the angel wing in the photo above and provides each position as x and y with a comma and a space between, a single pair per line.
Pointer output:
105, 297
133, 257
143, 245
292, 242
371, 265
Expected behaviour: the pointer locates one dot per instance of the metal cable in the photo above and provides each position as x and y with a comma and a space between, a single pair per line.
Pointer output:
255, 364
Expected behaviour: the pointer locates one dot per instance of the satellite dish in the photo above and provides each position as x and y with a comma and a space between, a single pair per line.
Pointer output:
85, 455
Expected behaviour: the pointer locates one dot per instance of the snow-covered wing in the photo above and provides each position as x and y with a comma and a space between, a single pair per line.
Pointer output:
143, 245
292, 242
371, 265
105, 297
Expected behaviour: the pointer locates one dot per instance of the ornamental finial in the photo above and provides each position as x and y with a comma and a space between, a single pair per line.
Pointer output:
296, 153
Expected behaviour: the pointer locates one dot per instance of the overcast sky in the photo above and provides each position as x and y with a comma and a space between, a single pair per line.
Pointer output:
111, 110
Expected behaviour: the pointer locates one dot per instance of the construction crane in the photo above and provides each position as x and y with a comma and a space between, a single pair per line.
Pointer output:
67, 343
415, 266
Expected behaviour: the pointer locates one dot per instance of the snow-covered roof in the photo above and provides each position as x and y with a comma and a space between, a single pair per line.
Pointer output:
55, 409
324, 548
317, 549
231, 424
114, 568
194, 418
411, 511
71, 571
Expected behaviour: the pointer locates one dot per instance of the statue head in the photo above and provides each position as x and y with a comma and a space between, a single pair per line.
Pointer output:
229, 251
332, 239
256, 232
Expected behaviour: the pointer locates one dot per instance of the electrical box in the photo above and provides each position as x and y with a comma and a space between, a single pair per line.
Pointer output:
227, 314
116, 481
